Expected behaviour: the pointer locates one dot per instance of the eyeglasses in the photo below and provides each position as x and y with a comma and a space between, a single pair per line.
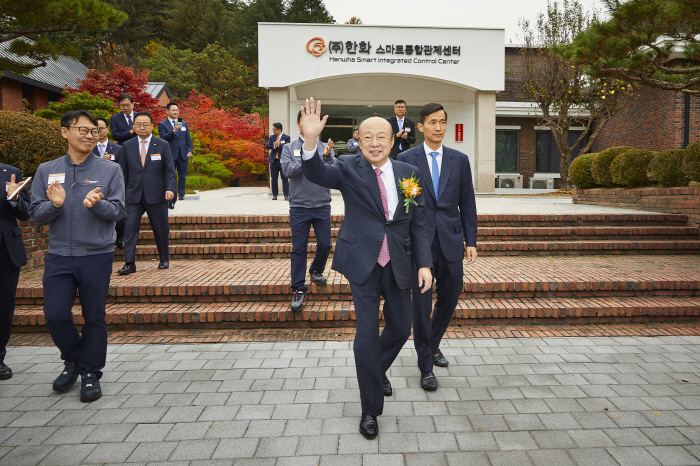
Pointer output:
400, 107
84, 130
142, 125
379, 139
102, 129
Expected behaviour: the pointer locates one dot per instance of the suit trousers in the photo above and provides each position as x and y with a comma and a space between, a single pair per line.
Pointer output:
9, 277
374, 354
157, 216
181, 169
275, 170
301, 220
428, 331
89, 275
120, 227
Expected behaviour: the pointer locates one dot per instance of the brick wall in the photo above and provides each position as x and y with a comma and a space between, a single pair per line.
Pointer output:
513, 76
10, 95
684, 201
36, 242
526, 162
41, 99
652, 119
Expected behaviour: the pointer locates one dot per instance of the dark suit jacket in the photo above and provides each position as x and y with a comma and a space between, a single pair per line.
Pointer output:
410, 138
361, 235
9, 215
276, 153
112, 148
181, 143
152, 180
453, 217
120, 128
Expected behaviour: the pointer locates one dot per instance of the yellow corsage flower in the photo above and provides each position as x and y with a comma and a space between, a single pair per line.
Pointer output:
410, 189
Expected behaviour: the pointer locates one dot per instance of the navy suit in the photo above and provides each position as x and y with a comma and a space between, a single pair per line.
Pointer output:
451, 219
356, 252
275, 164
410, 135
114, 150
145, 192
120, 128
180, 145
12, 254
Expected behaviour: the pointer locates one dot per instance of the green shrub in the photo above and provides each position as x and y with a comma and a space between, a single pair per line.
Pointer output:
629, 169
202, 183
580, 171
691, 163
600, 168
27, 141
96, 104
666, 168
210, 165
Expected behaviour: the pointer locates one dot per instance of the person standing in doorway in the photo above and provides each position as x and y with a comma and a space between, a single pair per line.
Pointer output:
177, 133
404, 129
309, 204
451, 220
275, 144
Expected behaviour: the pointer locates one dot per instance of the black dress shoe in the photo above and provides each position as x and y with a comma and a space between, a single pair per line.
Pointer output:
163, 265
428, 382
298, 301
439, 360
68, 376
171, 204
274, 198
386, 385
180, 198
90, 389
5, 372
128, 268
286, 198
368, 426
120, 243
317, 278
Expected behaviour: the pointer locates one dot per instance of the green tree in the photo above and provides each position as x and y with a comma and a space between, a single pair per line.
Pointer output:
640, 43
562, 91
96, 104
175, 67
308, 11
354, 20
245, 27
193, 24
34, 29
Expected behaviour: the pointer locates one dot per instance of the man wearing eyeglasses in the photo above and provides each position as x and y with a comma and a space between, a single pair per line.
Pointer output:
122, 124
80, 197
404, 129
149, 174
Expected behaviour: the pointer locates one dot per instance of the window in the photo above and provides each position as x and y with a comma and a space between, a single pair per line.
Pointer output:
547, 155
507, 151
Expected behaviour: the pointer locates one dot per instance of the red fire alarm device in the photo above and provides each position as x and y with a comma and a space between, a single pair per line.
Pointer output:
459, 132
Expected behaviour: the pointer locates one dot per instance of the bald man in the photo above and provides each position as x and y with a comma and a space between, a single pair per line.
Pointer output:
376, 248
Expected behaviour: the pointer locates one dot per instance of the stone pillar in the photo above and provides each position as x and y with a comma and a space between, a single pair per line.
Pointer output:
485, 142
279, 113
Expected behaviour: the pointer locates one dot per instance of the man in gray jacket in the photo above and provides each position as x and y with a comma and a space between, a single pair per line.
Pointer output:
309, 204
81, 197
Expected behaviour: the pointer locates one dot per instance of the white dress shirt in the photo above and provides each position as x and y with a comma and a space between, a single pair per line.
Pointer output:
148, 142
429, 157
126, 117
387, 176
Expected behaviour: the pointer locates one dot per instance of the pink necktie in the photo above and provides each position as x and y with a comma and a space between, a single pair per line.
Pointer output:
383, 258
143, 152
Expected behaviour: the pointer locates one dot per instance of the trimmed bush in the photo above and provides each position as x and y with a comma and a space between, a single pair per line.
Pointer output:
629, 169
580, 171
600, 168
691, 163
27, 141
666, 168
203, 183
209, 165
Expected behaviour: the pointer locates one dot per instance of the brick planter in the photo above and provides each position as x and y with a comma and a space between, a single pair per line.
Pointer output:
684, 201
36, 242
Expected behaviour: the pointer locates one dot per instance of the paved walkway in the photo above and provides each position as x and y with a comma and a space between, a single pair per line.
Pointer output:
512, 401
256, 201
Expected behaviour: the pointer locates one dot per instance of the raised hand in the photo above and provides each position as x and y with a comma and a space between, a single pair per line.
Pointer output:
56, 194
329, 147
312, 124
12, 186
93, 197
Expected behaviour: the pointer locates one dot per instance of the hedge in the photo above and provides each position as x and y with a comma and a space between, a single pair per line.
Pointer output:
27, 141
600, 168
629, 169
666, 168
580, 171
691, 162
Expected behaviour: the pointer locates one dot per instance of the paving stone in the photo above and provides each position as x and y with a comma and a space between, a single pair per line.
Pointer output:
628, 437
436, 442
470, 458
188, 431
632, 456
421, 459
341, 460
591, 438
26, 455
515, 441
550, 457
276, 447
149, 433
265, 428
664, 418
194, 450
476, 441
408, 424
396, 443
152, 451
110, 452
236, 448
487, 423
673, 456
317, 445
592, 457
559, 421
227, 429
664, 436
382, 460
508, 458
553, 439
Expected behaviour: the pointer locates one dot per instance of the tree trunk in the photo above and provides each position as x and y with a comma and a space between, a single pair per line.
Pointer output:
561, 136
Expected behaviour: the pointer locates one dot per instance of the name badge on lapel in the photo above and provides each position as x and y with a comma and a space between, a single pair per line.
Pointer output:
155, 156
297, 153
183, 128
60, 177
408, 130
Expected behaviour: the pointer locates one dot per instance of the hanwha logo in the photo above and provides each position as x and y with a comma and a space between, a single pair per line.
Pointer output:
316, 46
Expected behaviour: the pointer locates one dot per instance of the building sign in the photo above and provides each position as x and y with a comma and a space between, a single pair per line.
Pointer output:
459, 132
353, 51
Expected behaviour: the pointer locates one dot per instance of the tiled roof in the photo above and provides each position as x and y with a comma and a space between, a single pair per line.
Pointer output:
56, 75
157, 88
